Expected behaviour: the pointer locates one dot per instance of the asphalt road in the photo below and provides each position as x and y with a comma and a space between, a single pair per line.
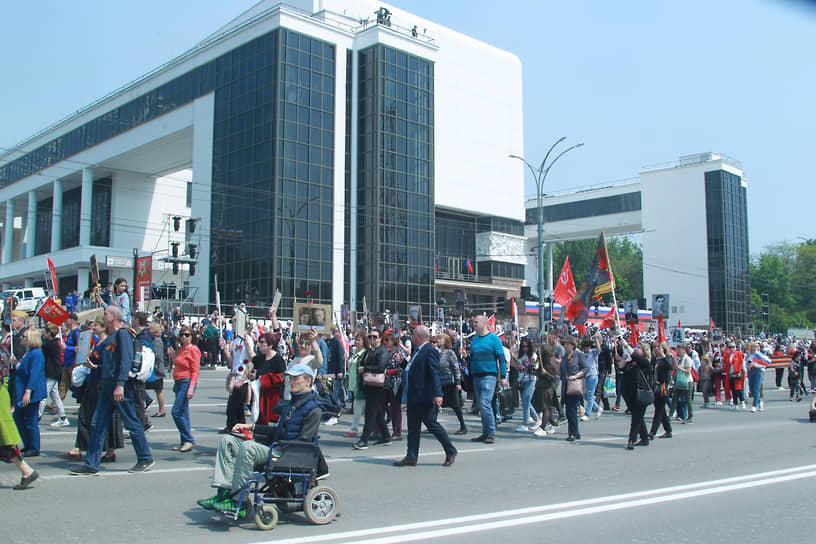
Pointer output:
732, 476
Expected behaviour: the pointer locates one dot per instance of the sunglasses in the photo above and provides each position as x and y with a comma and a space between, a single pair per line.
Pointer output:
186, 334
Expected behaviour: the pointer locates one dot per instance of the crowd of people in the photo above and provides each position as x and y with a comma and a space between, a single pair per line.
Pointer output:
377, 373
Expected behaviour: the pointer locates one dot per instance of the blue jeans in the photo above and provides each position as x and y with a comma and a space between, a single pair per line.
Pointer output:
527, 410
181, 410
101, 421
485, 386
338, 392
755, 382
590, 384
26, 419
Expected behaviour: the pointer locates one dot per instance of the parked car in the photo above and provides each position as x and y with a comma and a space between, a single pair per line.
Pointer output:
28, 298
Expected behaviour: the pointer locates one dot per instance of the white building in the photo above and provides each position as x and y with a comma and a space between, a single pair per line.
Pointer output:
324, 138
692, 217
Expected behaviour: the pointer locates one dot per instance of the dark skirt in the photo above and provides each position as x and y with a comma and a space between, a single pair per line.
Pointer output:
156, 385
450, 397
114, 438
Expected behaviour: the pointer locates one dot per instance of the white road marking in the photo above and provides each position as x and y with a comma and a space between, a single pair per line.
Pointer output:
562, 510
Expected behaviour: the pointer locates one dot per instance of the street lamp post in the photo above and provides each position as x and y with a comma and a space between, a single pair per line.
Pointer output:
540, 175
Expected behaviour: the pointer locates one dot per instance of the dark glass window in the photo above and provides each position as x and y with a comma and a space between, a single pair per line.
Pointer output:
593, 207
395, 191
70, 217
44, 215
101, 213
727, 231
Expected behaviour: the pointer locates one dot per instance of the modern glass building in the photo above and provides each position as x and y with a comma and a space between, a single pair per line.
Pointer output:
729, 284
312, 144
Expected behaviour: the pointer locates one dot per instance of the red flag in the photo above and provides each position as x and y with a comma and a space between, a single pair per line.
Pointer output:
661, 329
581, 329
469, 266
679, 325
565, 290
609, 319
52, 312
599, 281
491, 323
635, 336
713, 326
52, 270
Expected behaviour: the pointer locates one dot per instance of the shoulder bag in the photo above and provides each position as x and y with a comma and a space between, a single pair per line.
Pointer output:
575, 388
645, 397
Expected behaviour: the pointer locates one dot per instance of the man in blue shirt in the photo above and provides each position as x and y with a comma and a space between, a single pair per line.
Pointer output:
70, 353
118, 392
487, 364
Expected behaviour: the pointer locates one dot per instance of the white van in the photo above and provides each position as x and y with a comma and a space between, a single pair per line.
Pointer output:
28, 298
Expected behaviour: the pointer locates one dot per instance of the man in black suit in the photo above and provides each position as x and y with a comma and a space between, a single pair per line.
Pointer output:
424, 396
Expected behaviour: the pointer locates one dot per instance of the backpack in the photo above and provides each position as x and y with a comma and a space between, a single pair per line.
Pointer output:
144, 359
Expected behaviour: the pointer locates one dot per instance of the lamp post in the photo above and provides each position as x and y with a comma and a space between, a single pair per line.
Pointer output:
540, 175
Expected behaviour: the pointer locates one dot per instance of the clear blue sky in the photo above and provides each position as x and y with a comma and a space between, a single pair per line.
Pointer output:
638, 82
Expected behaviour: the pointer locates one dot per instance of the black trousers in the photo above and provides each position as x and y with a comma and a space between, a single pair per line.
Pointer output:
637, 426
780, 372
235, 406
374, 413
599, 391
139, 401
660, 415
419, 414
572, 402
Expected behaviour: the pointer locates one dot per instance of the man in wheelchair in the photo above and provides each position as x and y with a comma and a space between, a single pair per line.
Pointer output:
238, 455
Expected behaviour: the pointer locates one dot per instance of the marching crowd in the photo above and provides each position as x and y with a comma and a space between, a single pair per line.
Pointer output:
281, 379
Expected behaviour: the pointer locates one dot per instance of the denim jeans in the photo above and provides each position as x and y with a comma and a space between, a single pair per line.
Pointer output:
101, 421
26, 419
755, 382
527, 410
338, 393
181, 410
485, 386
590, 384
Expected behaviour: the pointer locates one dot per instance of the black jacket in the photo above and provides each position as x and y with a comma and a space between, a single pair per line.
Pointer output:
53, 363
636, 377
376, 360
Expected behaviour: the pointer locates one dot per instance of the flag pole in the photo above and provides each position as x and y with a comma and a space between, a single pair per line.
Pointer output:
614, 298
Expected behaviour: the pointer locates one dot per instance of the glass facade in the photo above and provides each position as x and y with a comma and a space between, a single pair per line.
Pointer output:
273, 184
727, 230
456, 243
396, 188
42, 244
628, 202
101, 212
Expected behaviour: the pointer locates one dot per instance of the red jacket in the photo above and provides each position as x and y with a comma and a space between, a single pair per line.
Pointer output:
271, 387
735, 366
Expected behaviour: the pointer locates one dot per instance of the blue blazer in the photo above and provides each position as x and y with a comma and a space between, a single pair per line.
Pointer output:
30, 374
423, 376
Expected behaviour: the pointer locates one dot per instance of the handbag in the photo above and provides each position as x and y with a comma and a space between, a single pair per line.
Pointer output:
575, 388
735, 375
645, 397
372, 379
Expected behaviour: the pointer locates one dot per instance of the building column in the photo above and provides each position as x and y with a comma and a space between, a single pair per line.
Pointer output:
85, 208
31, 225
82, 280
8, 232
28, 282
56, 217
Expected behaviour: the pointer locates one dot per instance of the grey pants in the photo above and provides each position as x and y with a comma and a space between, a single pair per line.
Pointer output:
235, 462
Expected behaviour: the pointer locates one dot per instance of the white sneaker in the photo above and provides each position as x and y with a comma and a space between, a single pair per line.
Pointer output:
742, 405
540, 432
753, 409
522, 429
718, 403
549, 429
761, 405
331, 421
62, 422
598, 413
584, 418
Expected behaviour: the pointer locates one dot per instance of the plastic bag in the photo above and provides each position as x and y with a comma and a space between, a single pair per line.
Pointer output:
609, 390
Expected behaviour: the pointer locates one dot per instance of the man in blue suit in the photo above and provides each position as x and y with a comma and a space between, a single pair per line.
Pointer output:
424, 398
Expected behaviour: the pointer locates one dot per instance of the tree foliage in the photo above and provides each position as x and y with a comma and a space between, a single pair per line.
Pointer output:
786, 272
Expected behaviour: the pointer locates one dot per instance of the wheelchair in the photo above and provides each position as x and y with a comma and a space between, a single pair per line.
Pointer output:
288, 482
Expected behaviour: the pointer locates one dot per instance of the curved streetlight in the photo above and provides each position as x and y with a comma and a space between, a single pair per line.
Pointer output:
540, 175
